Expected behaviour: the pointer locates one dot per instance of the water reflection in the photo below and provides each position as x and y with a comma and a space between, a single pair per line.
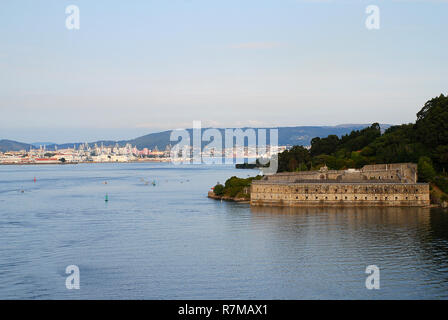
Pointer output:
353, 215
439, 223
410, 244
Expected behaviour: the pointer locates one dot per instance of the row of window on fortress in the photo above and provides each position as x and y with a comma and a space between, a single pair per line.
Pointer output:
356, 190
356, 198
367, 189
379, 177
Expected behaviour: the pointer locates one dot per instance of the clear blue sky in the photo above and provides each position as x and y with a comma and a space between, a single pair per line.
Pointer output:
136, 67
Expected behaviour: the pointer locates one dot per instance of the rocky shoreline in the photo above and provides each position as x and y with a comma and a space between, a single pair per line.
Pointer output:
212, 195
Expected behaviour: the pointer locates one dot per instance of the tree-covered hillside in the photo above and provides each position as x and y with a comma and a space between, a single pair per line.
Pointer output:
424, 142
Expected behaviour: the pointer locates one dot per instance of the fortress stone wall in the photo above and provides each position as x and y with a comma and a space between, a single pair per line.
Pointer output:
373, 185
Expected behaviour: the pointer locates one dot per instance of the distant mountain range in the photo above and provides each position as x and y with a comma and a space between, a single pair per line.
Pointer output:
10, 145
300, 135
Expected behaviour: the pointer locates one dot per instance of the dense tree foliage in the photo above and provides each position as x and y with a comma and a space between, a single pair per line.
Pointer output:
218, 189
354, 141
431, 126
425, 170
297, 158
335, 152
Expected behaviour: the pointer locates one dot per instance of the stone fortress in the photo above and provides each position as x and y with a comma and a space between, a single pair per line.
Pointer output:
372, 185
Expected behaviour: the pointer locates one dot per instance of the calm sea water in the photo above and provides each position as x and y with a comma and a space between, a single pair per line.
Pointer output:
169, 241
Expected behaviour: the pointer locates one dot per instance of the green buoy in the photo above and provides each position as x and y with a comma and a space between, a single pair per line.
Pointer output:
106, 198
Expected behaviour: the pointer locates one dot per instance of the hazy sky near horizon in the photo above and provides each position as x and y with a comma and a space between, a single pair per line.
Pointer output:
136, 67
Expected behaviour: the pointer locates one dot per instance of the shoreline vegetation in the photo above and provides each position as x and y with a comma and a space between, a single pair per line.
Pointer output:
234, 189
424, 142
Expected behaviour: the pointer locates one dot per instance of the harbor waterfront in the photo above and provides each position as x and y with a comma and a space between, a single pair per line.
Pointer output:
85, 153
159, 237
88, 153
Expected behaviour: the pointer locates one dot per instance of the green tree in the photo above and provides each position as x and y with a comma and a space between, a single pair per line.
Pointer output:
432, 122
326, 145
296, 157
358, 139
431, 129
442, 183
426, 172
218, 189
427, 138
440, 155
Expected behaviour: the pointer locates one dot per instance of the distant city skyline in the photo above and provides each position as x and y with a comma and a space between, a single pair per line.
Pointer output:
149, 66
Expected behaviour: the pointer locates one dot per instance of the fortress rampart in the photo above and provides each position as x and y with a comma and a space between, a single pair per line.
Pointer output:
395, 172
373, 185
